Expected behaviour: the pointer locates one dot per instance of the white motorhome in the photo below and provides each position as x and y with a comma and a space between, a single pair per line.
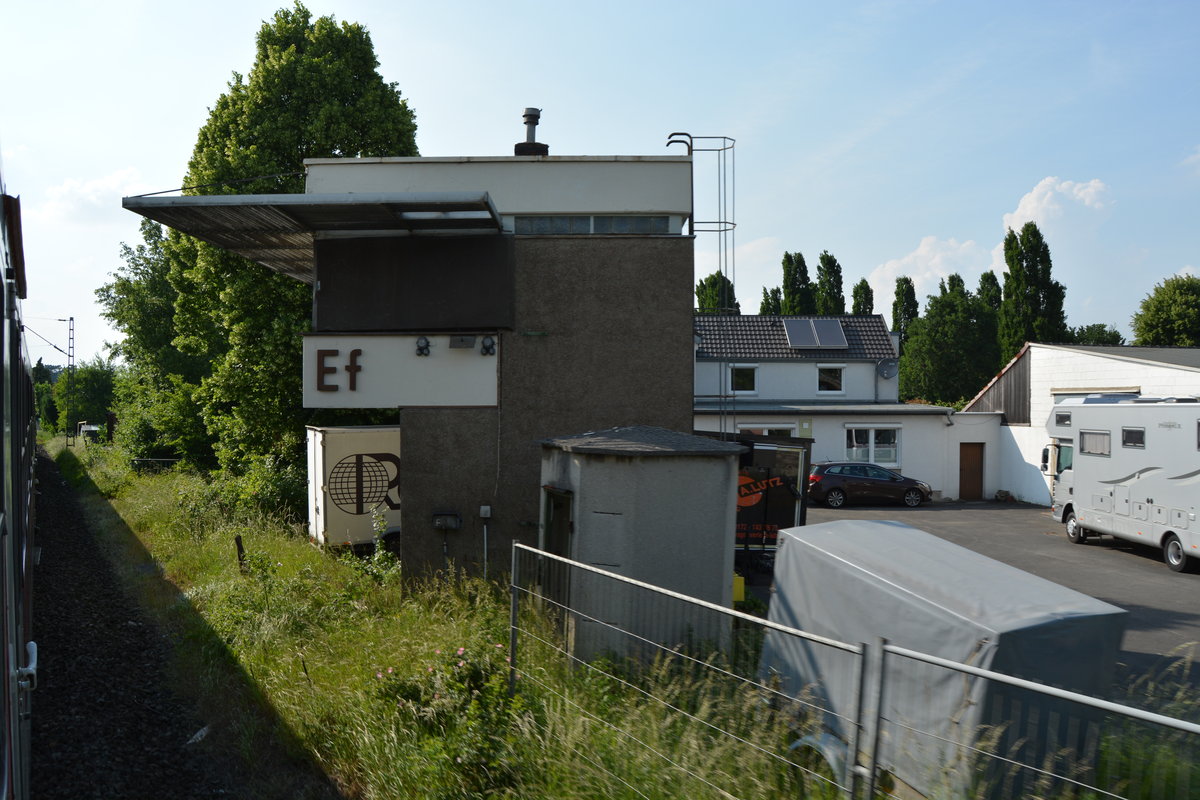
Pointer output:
1129, 467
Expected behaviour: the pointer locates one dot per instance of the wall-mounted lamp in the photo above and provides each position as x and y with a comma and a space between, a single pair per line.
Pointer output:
422, 345
488, 347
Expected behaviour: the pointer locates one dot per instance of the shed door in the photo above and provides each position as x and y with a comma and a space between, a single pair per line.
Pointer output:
970, 470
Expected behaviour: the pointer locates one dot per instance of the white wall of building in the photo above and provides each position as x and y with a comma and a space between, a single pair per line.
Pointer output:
790, 380
929, 443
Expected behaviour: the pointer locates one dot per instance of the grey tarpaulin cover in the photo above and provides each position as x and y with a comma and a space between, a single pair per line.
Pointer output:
857, 581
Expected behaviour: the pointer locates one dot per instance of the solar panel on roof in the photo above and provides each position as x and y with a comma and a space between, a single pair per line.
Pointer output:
830, 333
800, 333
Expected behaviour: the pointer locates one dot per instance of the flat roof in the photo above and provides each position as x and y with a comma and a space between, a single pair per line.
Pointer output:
278, 230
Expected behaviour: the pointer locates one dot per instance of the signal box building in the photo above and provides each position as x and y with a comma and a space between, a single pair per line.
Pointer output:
493, 302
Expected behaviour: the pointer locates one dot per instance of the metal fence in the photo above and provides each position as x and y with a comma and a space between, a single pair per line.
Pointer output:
668, 699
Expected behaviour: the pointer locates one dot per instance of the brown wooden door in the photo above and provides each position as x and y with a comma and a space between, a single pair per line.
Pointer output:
970, 470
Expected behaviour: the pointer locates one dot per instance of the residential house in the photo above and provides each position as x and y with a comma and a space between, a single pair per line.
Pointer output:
834, 379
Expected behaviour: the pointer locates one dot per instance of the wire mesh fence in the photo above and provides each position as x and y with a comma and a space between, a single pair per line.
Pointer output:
649, 694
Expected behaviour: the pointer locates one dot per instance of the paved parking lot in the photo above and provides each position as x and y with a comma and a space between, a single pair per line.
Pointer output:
1163, 606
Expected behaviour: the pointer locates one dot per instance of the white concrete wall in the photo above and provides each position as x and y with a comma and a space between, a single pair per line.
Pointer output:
796, 381
524, 184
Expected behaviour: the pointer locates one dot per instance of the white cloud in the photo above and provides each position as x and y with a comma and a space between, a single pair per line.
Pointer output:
1193, 161
80, 202
931, 262
1045, 201
1188, 270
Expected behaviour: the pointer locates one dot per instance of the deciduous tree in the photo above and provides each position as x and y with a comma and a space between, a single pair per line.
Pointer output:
1097, 333
863, 299
798, 294
772, 301
714, 295
1170, 315
830, 298
904, 308
1032, 308
941, 361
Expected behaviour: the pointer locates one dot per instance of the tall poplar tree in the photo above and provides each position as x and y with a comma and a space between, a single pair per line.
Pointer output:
772, 301
1032, 308
904, 308
941, 362
863, 298
830, 298
798, 295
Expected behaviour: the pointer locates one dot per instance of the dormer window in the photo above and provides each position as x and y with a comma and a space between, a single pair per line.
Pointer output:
743, 378
830, 379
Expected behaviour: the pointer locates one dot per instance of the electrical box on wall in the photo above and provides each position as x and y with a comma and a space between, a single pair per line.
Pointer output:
447, 520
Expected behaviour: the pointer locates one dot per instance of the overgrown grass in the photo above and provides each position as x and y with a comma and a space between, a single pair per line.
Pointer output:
397, 685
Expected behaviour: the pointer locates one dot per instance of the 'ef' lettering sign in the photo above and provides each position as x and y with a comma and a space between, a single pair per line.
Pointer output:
327, 364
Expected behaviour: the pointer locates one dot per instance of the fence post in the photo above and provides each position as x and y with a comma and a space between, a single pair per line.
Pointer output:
873, 760
859, 712
514, 583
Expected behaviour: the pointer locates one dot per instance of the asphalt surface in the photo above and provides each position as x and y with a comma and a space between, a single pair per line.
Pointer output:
1163, 606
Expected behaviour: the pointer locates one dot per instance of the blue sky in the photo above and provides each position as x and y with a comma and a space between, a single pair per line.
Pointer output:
903, 137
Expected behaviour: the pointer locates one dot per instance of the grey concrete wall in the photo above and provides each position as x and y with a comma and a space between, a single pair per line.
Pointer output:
602, 337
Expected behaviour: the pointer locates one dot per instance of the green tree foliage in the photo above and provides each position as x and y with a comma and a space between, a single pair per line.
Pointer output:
87, 396
1170, 315
989, 297
941, 361
772, 301
863, 298
829, 295
43, 396
212, 340
1097, 333
798, 292
989, 291
1032, 308
714, 295
904, 308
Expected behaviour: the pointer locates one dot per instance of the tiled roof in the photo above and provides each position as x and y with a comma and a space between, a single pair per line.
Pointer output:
1175, 356
755, 337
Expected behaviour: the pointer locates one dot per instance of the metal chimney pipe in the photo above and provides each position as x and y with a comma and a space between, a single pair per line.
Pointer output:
532, 115
531, 146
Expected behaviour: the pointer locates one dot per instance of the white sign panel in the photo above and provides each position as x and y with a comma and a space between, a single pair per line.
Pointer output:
400, 371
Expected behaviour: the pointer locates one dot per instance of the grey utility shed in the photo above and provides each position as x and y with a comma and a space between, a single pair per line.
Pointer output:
647, 503
858, 581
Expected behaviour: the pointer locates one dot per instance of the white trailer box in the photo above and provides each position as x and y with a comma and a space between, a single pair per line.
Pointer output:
858, 580
353, 476
1128, 467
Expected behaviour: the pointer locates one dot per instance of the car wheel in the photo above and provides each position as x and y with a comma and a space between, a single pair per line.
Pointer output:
1075, 532
835, 498
1174, 555
913, 498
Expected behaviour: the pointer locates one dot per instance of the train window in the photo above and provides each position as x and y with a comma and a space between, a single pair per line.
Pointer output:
1095, 443
1133, 437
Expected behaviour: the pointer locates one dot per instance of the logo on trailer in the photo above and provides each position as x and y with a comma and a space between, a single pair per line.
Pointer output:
359, 483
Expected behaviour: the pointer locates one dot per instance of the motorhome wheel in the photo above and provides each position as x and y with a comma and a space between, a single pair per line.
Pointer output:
1174, 555
1075, 532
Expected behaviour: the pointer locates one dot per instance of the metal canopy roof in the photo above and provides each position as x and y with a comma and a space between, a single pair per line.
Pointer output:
278, 230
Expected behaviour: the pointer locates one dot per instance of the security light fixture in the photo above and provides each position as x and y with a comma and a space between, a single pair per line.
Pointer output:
422, 345
488, 346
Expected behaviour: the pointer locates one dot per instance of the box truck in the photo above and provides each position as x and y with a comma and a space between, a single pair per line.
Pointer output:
353, 484
1128, 466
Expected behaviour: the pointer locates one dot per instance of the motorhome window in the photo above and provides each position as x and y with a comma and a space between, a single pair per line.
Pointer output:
1062, 419
1066, 458
1095, 443
1133, 437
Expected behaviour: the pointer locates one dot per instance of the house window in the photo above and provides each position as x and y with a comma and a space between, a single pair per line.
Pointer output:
1133, 437
829, 378
765, 429
1095, 443
743, 378
1062, 419
876, 445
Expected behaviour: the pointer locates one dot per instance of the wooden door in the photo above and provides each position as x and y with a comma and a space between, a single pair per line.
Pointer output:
970, 470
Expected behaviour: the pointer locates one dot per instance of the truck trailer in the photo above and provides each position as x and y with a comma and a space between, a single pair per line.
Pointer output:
1128, 466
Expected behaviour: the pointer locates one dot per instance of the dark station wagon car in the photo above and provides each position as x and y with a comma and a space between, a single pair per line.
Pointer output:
835, 482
